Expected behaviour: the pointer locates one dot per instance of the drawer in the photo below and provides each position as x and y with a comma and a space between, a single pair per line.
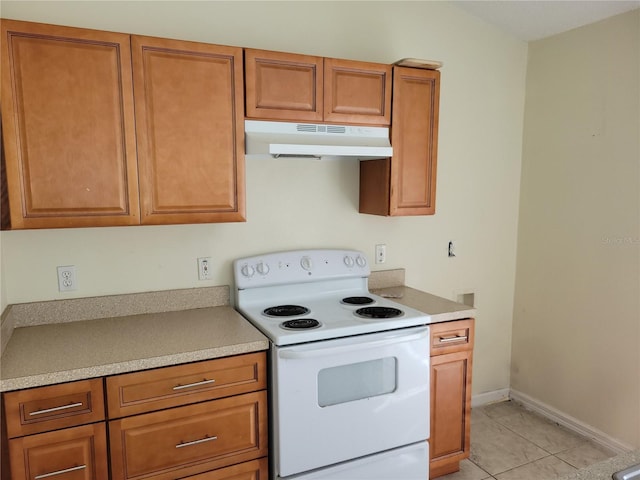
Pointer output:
253, 470
168, 387
48, 408
189, 440
78, 453
450, 337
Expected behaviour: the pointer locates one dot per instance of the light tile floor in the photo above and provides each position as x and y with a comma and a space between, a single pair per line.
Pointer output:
509, 442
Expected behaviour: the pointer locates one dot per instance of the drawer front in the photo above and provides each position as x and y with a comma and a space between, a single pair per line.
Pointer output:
189, 440
168, 387
53, 407
253, 470
78, 453
450, 337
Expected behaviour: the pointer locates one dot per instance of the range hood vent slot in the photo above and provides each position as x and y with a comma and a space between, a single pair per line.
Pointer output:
317, 128
308, 140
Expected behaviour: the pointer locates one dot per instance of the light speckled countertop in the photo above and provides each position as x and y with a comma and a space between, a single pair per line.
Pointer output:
55, 352
438, 308
604, 470
59, 341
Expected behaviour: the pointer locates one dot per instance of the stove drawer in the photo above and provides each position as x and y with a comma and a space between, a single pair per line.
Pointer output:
450, 337
167, 387
189, 440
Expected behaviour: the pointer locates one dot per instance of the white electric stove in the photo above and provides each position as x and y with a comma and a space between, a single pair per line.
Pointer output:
349, 371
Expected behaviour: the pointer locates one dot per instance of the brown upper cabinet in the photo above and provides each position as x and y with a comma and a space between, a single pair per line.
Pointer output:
68, 126
77, 155
190, 131
406, 183
303, 88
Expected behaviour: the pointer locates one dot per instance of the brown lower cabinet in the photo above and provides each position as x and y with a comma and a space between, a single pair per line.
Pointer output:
205, 420
451, 363
78, 453
189, 440
253, 470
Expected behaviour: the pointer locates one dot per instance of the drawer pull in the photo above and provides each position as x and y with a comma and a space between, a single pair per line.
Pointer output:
60, 472
56, 409
196, 384
463, 338
196, 442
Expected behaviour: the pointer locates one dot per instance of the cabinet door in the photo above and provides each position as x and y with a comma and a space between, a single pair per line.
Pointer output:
190, 131
414, 138
78, 453
357, 92
68, 126
283, 86
406, 183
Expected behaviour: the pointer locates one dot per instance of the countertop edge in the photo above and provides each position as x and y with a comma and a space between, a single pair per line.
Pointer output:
41, 380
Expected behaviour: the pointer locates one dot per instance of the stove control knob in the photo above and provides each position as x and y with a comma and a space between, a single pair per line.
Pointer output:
262, 268
361, 261
306, 263
348, 261
247, 271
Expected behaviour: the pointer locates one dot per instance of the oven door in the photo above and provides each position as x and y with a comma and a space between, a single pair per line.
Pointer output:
339, 400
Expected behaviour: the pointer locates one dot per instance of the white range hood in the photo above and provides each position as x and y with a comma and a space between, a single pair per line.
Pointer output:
309, 140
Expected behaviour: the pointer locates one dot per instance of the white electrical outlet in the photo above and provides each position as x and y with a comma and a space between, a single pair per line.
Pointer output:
381, 253
204, 268
67, 278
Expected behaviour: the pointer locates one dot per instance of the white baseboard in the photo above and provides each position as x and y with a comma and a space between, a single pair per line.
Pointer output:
490, 397
569, 422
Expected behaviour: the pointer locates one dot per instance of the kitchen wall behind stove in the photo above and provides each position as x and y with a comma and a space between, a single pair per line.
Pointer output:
307, 204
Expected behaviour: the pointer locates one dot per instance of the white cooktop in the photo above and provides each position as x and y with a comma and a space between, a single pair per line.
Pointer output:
318, 280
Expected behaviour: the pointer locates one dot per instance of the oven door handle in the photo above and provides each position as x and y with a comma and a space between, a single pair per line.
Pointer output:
348, 348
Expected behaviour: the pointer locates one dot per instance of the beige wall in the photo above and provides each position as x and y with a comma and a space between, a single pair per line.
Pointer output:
306, 204
576, 330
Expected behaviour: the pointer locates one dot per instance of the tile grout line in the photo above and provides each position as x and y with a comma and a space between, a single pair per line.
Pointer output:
496, 421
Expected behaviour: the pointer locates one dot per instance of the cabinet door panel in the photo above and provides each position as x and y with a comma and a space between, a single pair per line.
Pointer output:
253, 470
357, 92
188, 440
414, 139
283, 86
450, 440
47, 408
190, 131
69, 134
451, 337
166, 387
78, 453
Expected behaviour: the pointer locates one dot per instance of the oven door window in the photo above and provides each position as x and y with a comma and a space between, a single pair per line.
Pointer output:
357, 381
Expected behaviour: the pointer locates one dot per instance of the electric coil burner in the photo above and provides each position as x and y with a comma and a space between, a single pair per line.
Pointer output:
357, 301
300, 324
285, 311
379, 312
